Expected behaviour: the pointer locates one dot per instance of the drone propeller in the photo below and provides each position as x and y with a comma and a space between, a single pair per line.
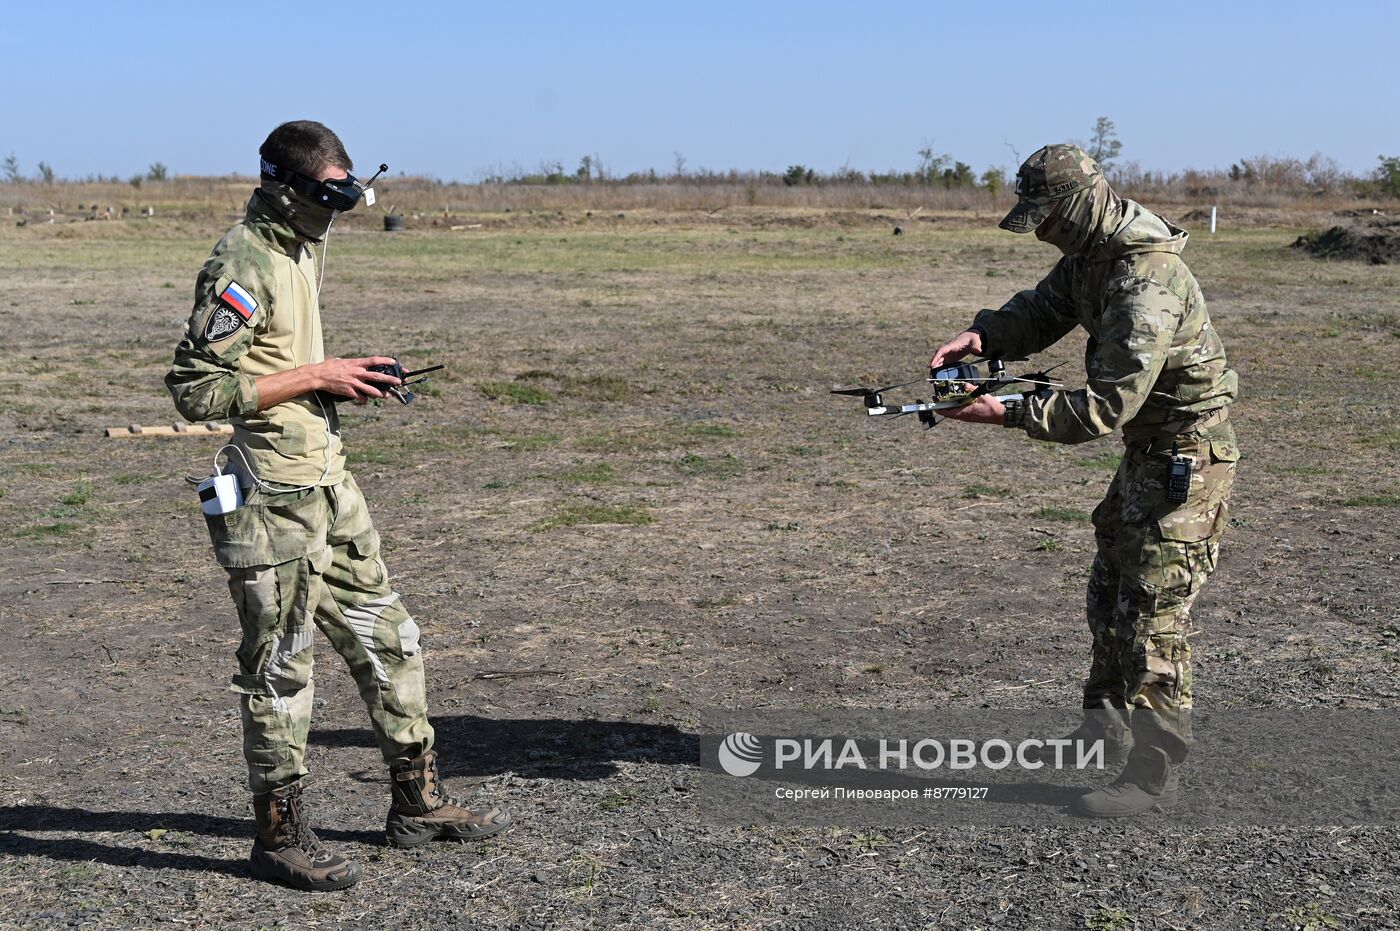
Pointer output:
997, 359
926, 417
866, 392
1045, 373
1041, 378
989, 384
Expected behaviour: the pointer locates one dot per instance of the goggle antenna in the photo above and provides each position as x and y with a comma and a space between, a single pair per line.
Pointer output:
382, 168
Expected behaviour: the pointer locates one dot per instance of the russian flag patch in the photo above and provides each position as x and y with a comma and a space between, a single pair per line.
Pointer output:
240, 300
234, 311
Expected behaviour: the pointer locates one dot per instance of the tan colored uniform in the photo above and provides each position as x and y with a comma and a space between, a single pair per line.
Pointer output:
296, 556
213, 379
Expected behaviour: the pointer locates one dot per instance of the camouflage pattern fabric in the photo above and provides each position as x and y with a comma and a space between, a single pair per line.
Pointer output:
1052, 173
296, 559
338, 583
1153, 559
1156, 369
273, 272
1153, 357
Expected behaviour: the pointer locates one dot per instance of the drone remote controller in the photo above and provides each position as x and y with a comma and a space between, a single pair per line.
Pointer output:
406, 379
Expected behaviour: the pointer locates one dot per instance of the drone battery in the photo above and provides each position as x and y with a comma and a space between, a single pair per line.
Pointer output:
1179, 479
220, 494
963, 372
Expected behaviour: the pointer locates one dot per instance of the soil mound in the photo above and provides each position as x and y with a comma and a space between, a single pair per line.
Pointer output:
1378, 244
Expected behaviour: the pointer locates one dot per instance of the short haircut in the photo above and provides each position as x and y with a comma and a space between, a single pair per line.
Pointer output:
305, 146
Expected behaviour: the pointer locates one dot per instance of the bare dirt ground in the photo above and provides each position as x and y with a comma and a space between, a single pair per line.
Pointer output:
628, 500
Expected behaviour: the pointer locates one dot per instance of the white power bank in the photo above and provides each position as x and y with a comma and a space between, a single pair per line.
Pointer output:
220, 494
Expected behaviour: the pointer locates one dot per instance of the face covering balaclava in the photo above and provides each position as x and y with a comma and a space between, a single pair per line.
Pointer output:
308, 219
1083, 220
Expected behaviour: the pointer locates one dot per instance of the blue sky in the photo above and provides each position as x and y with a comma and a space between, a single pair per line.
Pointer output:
454, 90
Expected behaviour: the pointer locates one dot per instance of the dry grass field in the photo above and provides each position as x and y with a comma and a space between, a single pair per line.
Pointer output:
629, 498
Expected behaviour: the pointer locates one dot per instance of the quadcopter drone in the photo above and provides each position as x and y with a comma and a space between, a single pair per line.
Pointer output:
953, 386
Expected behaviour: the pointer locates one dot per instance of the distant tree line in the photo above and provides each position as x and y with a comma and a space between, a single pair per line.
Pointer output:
1316, 174
934, 169
10, 167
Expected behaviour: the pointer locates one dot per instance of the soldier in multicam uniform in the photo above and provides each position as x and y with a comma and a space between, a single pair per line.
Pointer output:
302, 549
1155, 369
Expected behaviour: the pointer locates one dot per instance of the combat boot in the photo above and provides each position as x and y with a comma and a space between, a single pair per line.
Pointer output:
1149, 782
287, 850
422, 809
1108, 725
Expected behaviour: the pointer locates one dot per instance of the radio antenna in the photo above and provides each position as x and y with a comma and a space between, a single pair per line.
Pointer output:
382, 168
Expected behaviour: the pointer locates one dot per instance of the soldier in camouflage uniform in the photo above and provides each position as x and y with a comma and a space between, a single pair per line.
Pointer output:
302, 548
1156, 370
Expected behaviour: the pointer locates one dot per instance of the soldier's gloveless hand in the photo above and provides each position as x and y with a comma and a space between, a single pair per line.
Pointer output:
966, 343
352, 378
985, 409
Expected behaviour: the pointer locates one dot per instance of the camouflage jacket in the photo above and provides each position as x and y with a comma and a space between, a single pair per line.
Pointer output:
256, 313
1153, 359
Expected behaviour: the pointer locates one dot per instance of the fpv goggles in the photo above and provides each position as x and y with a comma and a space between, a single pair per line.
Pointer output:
338, 193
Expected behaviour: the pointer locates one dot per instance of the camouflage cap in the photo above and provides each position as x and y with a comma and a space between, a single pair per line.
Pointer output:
1050, 174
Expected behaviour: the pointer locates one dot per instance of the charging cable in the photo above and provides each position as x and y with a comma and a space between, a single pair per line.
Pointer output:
270, 489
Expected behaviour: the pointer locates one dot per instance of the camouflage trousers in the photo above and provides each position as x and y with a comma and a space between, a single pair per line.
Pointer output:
304, 558
1153, 559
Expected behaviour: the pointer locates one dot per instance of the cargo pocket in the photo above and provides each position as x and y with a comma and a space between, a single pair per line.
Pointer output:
1206, 515
1153, 624
274, 656
1192, 524
1225, 450
366, 565
1199, 559
235, 534
256, 595
294, 525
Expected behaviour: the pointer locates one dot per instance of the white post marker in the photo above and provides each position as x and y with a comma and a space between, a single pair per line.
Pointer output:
1212, 221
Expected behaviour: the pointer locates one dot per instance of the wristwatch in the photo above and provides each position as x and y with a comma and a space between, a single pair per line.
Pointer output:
1015, 413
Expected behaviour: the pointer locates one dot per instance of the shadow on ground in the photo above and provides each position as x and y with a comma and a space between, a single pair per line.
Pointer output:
550, 748
81, 850
536, 748
473, 748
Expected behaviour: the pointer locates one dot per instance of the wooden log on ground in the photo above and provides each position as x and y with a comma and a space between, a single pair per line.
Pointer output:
135, 430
